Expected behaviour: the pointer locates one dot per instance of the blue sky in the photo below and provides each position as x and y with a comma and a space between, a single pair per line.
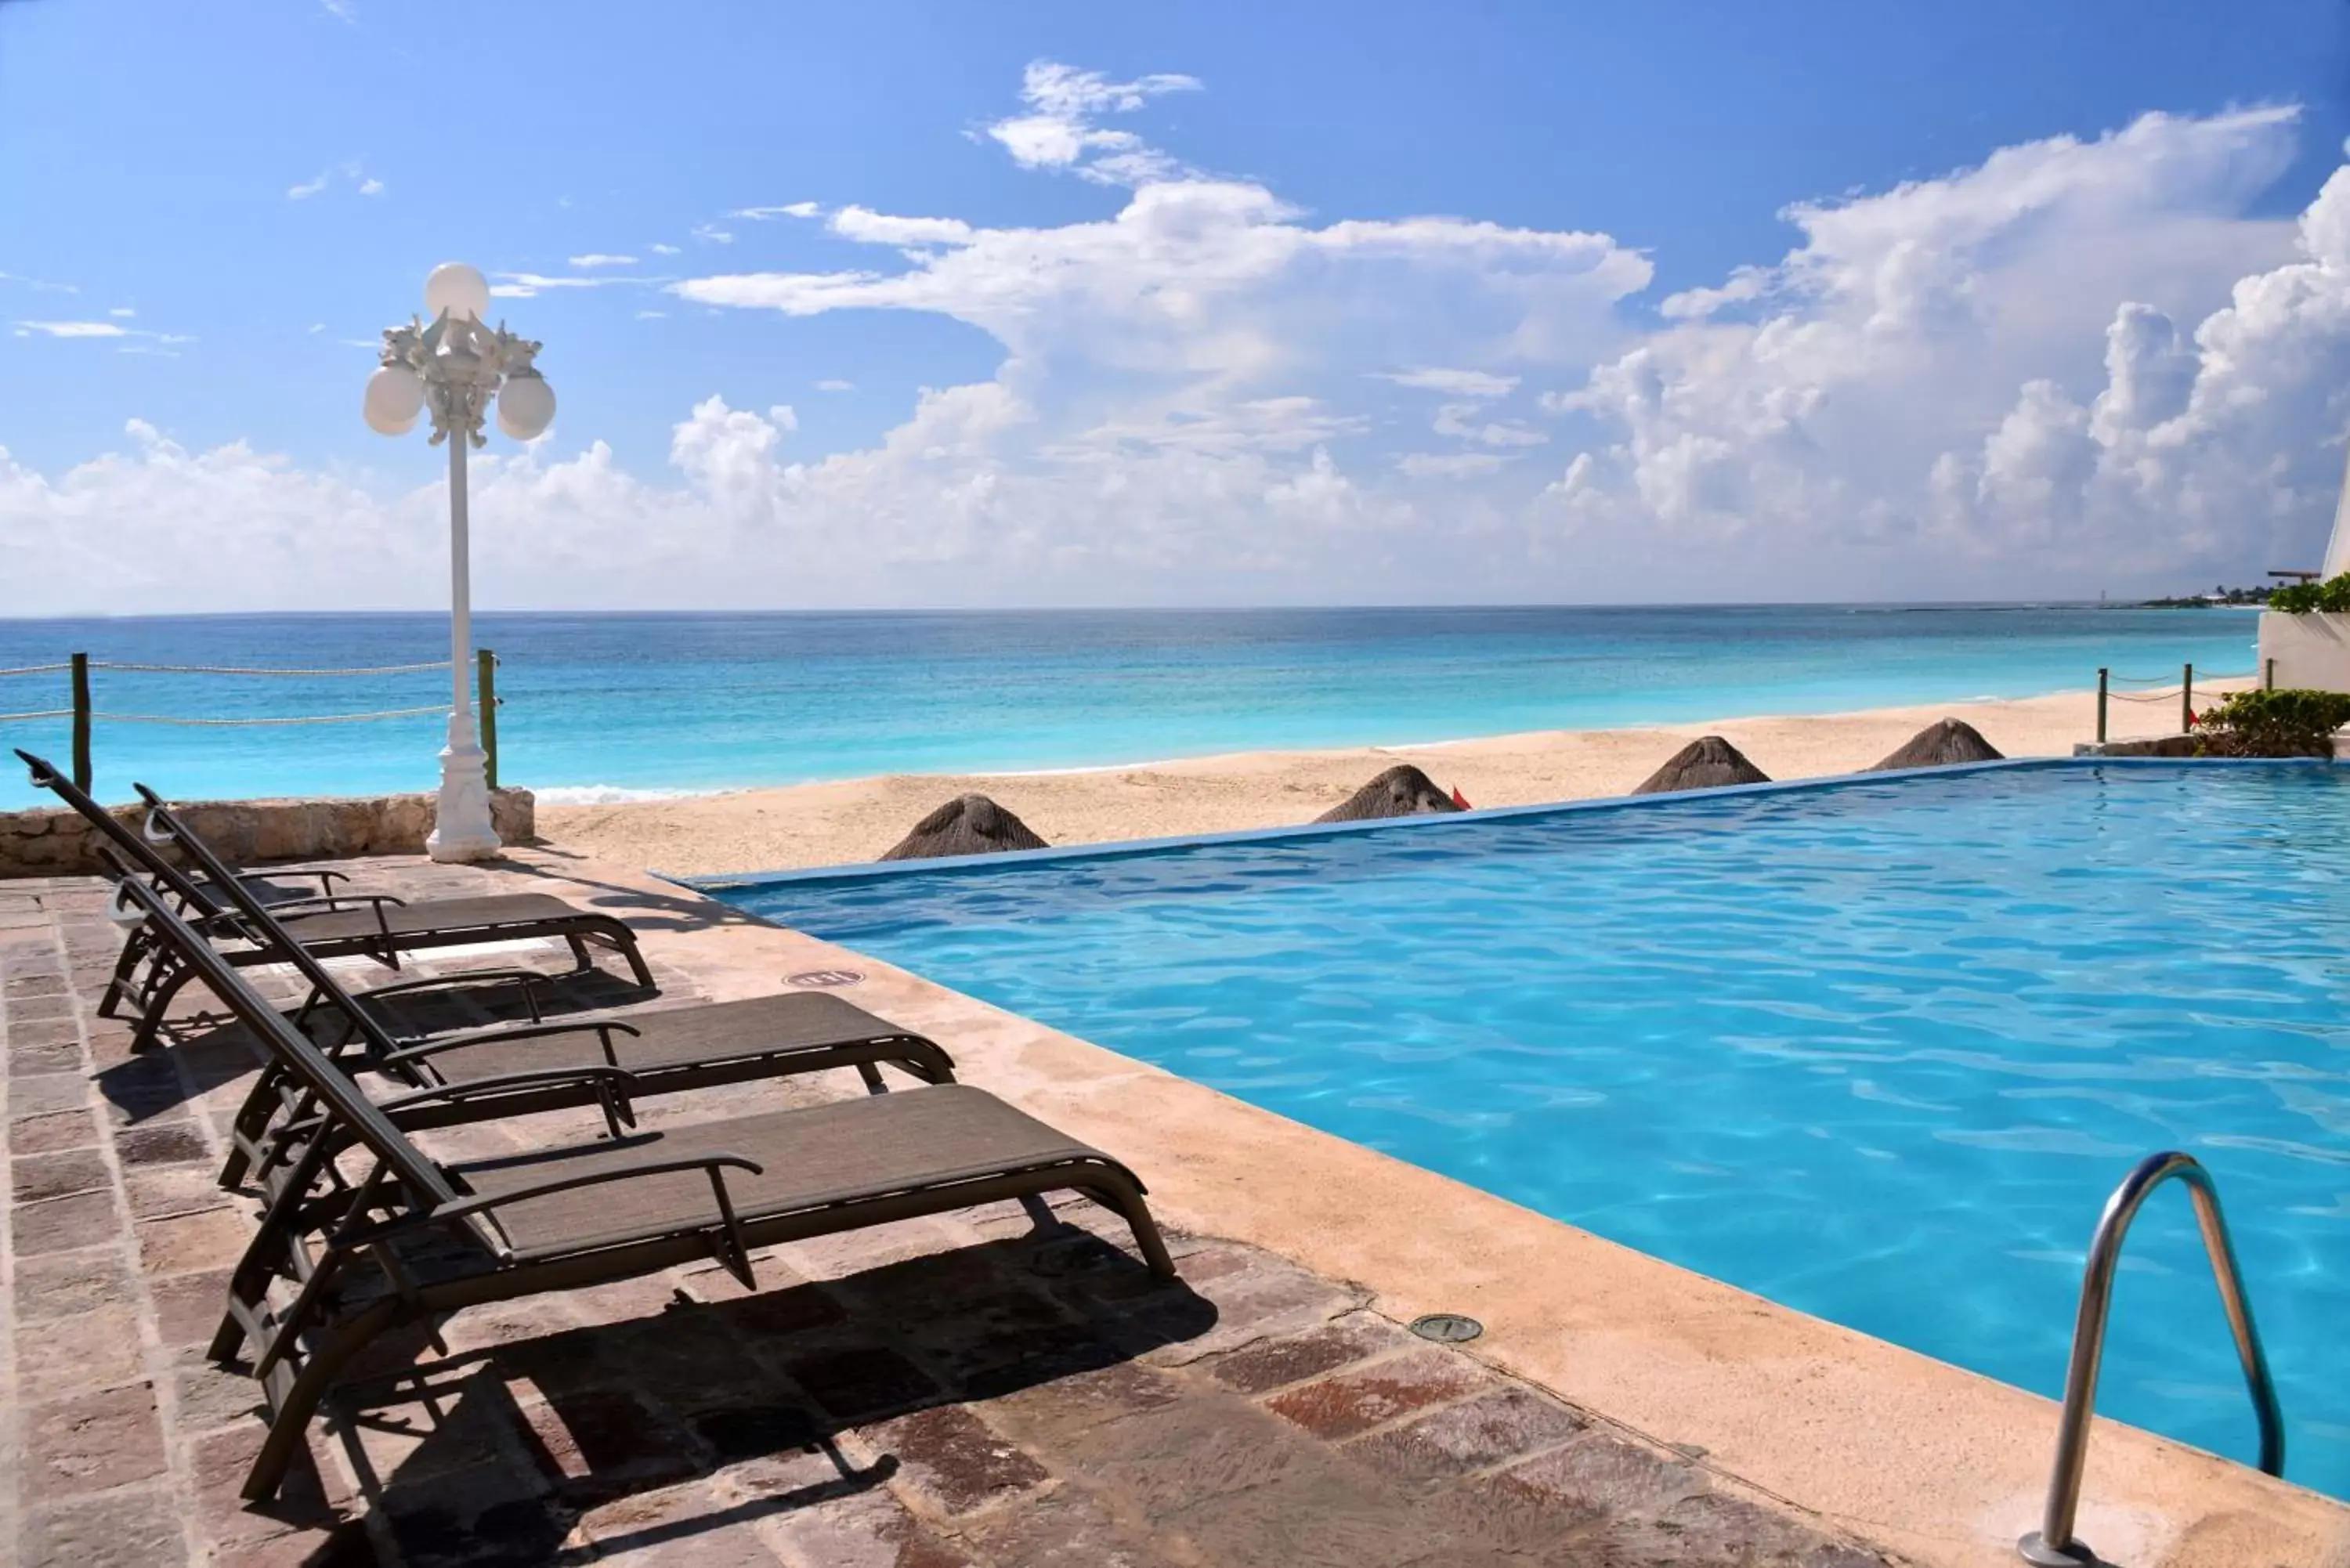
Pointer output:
1325, 301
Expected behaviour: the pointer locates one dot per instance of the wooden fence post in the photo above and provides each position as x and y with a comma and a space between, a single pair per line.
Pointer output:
81, 721
2102, 675
486, 663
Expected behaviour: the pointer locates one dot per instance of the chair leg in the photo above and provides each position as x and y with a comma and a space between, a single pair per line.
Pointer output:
134, 947
253, 1118
162, 985
1113, 1191
623, 941
289, 1423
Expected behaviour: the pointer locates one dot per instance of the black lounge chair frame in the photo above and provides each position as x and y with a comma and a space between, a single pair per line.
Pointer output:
259, 1133
322, 1228
147, 997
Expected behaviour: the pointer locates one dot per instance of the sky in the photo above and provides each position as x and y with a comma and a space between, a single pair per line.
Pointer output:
1065, 303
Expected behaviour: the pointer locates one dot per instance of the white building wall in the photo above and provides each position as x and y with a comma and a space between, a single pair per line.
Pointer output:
2312, 651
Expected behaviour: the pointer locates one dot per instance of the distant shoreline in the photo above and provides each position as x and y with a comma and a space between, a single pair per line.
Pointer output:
869, 611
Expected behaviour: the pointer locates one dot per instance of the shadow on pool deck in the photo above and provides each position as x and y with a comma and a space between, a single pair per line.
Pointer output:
970, 1391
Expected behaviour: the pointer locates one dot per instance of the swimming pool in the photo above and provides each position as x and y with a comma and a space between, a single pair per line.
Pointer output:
1876, 1051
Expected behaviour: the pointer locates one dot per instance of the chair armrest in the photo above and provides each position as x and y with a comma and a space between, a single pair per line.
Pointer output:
611, 1086
334, 903
615, 1076
602, 1028
716, 1165
262, 879
530, 979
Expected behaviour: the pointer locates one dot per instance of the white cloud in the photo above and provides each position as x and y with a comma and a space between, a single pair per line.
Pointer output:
836, 386
662, 250
346, 11
2079, 364
1061, 128
76, 328
1478, 384
710, 233
1459, 419
789, 210
347, 172
529, 285
38, 285
1222, 278
597, 258
122, 312
869, 227
652, 315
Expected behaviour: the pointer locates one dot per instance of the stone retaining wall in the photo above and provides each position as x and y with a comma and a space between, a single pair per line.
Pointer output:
2160, 746
45, 842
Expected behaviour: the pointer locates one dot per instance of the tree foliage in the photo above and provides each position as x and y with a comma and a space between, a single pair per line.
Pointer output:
2332, 596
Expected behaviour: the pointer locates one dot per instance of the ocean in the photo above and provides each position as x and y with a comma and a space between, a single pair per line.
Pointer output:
617, 707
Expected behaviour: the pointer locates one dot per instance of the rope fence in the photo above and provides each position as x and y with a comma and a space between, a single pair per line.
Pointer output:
85, 713
2181, 691
232, 723
234, 670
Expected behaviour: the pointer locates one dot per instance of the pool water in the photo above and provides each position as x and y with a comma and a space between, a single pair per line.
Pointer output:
1878, 1052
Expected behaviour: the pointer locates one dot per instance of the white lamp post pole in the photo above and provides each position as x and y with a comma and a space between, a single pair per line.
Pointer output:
454, 367
461, 829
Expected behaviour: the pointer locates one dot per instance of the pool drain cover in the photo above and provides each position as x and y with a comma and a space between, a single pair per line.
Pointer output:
1447, 1327
822, 978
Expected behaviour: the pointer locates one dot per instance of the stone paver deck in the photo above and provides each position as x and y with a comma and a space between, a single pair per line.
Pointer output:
982, 1390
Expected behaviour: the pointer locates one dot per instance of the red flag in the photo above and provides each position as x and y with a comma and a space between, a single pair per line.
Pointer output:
1460, 800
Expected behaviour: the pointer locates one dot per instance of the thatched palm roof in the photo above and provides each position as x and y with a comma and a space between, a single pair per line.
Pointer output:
1707, 763
1939, 744
967, 825
1401, 791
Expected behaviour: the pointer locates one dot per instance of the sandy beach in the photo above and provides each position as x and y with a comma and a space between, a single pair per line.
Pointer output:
856, 819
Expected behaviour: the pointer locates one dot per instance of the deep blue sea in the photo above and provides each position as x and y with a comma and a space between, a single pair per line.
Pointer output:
606, 706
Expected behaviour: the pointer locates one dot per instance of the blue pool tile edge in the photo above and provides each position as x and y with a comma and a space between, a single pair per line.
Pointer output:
744, 881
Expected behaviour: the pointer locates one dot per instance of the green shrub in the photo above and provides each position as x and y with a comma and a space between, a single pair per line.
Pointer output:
2301, 599
2289, 723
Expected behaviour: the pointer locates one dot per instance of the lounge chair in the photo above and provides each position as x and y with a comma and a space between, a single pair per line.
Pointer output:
504, 1069
329, 1269
328, 924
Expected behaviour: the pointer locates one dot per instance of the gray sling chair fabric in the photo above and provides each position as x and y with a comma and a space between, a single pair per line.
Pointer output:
504, 1069
330, 924
330, 1269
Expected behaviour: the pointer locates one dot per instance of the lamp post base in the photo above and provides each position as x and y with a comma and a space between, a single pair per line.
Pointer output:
461, 829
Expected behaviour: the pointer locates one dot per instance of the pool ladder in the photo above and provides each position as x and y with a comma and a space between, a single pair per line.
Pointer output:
2054, 1546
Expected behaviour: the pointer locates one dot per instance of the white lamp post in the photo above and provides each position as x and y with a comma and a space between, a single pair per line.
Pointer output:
453, 367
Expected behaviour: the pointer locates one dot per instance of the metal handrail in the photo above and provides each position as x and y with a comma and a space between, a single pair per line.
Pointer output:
2053, 1545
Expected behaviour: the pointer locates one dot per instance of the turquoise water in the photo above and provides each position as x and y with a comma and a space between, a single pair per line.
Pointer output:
600, 706
1876, 1051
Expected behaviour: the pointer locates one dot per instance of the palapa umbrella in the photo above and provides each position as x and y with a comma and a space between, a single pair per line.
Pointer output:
1401, 791
1709, 763
967, 825
1939, 744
